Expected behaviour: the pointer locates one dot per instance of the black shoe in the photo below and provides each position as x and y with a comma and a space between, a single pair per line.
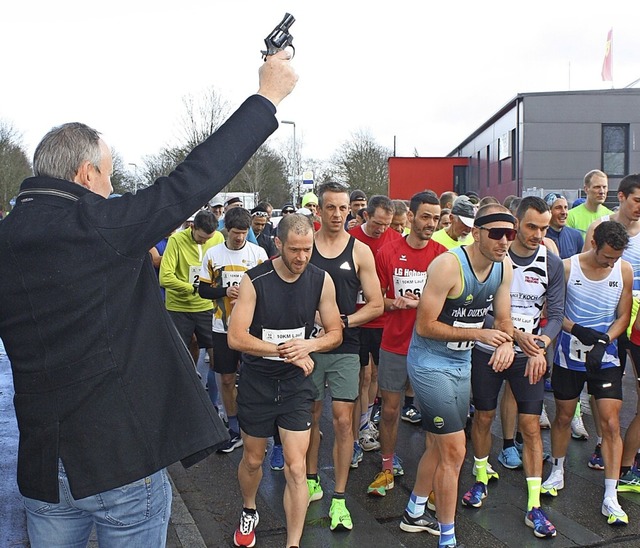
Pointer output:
426, 522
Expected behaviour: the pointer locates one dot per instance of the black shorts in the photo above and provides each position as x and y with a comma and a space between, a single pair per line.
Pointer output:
225, 359
188, 323
266, 403
370, 339
567, 384
486, 384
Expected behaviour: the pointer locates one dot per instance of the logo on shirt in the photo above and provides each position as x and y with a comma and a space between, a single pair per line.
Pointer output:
489, 299
531, 279
403, 258
438, 422
614, 284
577, 282
345, 266
468, 299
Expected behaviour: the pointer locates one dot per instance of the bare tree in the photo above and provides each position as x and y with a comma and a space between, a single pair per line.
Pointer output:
202, 116
14, 164
362, 163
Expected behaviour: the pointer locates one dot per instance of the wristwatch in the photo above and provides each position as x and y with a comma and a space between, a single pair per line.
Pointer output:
345, 320
541, 344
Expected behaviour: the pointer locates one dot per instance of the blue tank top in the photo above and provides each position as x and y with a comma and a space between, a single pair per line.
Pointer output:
467, 310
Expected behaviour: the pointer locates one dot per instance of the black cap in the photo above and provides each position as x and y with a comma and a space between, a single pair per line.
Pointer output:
288, 208
233, 200
357, 195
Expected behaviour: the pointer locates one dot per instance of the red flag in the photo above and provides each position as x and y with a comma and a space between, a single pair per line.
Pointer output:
607, 73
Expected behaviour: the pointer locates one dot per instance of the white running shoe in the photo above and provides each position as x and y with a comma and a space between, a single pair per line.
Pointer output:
554, 483
614, 513
578, 431
544, 419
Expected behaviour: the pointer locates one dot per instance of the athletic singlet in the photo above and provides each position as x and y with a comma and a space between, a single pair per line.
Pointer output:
631, 254
466, 310
591, 304
528, 293
283, 311
342, 270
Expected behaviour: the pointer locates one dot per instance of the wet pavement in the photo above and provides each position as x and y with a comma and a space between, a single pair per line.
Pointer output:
207, 501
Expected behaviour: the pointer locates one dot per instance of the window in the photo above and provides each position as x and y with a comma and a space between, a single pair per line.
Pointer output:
615, 146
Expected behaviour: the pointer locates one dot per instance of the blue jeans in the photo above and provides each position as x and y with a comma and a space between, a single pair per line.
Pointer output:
135, 515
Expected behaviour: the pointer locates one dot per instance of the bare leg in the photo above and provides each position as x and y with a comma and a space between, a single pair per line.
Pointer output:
250, 468
343, 443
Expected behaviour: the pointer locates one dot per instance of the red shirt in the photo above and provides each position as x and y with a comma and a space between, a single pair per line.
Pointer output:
401, 270
389, 235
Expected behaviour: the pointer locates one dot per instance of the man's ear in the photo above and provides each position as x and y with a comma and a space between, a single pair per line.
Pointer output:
83, 175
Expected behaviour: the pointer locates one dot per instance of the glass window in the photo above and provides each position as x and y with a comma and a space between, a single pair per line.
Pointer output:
615, 146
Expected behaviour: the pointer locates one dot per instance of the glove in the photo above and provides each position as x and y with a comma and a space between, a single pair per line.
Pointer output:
595, 355
588, 336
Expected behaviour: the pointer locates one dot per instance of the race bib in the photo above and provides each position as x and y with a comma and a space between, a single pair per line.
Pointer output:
194, 274
409, 285
577, 350
231, 278
277, 336
522, 322
464, 345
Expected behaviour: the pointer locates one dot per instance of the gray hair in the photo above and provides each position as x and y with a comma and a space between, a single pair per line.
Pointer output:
63, 150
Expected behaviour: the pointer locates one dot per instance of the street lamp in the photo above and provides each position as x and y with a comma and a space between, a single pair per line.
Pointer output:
295, 159
135, 175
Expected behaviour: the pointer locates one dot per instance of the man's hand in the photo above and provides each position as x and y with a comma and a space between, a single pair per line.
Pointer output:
527, 343
232, 291
503, 356
408, 301
492, 337
536, 368
277, 77
295, 349
595, 355
306, 364
586, 335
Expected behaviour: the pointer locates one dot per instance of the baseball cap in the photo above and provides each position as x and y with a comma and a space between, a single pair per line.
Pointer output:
357, 195
309, 198
463, 208
233, 200
551, 198
217, 202
288, 208
304, 211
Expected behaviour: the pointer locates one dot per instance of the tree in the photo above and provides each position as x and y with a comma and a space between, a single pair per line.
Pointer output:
14, 164
122, 180
362, 163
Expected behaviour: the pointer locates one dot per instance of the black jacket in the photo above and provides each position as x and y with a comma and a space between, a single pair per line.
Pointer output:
102, 379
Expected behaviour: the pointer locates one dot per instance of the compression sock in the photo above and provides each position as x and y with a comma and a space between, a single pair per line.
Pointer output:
533, 492
233, 423
447, 534
416, 505
481, 469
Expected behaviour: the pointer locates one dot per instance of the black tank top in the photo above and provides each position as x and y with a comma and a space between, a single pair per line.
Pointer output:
283, 311
342, 270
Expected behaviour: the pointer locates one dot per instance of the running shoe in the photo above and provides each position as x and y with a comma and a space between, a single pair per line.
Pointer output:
411, 414
373, 428
630, 482
554, 483
491, 473
426, 522
277, 458
519, 446
245, 533
235, 441
578, 431
397, 466
368, 439
474, 496
545, 423
375, 413
538, 521
596, 461
382, 483
636, 461
614, 513
510, 458
358, 455
315, 490
340, 516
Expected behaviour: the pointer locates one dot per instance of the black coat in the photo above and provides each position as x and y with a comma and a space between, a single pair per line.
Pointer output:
102, 379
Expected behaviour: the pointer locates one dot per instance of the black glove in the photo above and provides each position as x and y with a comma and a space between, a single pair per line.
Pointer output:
595, 355
588, 336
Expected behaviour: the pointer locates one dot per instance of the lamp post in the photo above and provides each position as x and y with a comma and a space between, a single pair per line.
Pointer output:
295, 161
135, 177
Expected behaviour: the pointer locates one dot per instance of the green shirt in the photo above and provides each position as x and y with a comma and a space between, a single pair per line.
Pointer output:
581, 218
443, 238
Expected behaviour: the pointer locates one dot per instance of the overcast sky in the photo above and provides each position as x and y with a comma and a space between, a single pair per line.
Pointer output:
426, 72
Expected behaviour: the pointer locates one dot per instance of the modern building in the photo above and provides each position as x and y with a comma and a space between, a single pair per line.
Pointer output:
540, 142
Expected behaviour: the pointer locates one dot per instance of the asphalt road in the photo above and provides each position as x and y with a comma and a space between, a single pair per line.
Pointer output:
207, 502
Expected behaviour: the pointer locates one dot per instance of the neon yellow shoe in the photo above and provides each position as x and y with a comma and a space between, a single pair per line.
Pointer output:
614, 513
340, 516
315, 490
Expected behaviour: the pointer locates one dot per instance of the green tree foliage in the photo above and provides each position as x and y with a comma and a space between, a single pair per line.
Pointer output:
14, 164
362, 163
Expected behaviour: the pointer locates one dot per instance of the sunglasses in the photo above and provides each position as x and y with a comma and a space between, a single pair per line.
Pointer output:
499, 233
260, 214
285, 211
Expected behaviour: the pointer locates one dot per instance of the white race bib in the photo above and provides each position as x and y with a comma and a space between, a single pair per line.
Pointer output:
464, 345
194, 274
577, 350
522, 322
277, 336
409, 285
231, 278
